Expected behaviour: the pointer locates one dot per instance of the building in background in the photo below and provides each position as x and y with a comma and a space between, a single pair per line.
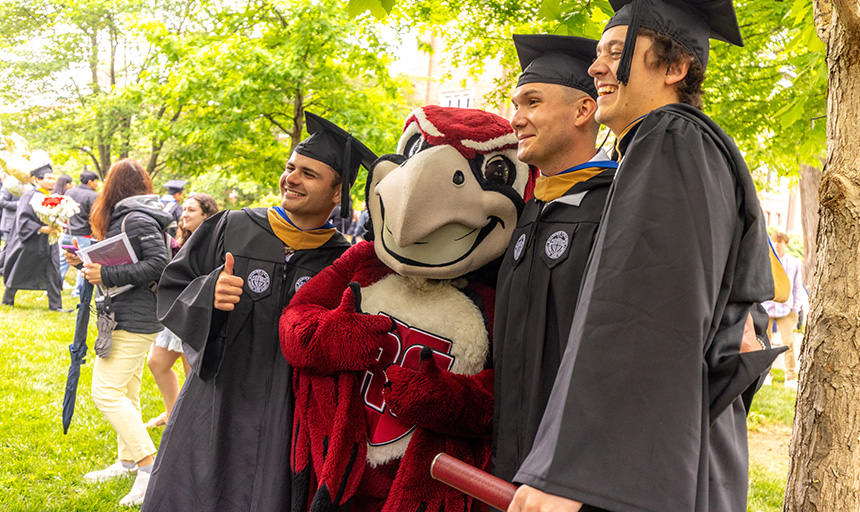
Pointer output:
438, 82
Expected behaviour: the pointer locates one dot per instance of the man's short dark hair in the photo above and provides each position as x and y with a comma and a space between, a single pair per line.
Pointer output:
88, 176
664, 53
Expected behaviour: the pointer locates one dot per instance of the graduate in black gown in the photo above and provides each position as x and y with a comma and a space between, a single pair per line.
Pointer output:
646, 413
542, 269
32, 263
227, 444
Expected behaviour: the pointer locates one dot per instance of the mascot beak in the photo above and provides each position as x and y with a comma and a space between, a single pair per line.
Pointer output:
424, 199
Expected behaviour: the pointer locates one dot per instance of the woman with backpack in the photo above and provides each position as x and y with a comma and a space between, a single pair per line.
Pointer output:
127, 204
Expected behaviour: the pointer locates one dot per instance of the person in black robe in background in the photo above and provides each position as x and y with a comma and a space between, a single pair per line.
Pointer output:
541, 272
226, 447
8, 207
646, 413
172, 202
31, 262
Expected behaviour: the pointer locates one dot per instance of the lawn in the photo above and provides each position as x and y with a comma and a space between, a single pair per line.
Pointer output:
42, 469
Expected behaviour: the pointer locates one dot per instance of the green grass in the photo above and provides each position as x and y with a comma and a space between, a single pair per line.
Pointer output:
772, 406
772, 411
767, 490
41, 468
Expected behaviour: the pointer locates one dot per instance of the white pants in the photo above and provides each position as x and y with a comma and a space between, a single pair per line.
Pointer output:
116, 392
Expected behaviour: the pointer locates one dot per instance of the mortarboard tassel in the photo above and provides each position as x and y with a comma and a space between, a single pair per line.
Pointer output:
347, 179
623, 74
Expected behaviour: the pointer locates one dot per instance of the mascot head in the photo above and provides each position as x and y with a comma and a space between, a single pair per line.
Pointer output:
447, 202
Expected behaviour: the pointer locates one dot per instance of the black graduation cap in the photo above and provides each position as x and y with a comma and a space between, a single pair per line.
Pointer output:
690, 23
174, 186
40, 172
335, 147
554, 59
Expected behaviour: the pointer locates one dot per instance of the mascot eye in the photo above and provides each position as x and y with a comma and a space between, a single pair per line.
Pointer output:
413, 146
499, 170
459, 178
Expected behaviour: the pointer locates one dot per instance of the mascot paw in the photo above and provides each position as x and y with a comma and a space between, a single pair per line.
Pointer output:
439, 400
413, 395
359, 335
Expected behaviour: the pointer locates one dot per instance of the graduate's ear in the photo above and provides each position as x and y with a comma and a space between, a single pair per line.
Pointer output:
676, 72
585, 111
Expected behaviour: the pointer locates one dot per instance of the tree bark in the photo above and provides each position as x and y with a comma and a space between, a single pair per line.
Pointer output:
810, 181
824, 472
298, 119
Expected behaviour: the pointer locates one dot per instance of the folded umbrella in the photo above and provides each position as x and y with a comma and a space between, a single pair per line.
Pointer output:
78, 351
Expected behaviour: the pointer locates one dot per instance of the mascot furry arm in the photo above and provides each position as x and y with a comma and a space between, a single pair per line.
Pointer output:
390, 344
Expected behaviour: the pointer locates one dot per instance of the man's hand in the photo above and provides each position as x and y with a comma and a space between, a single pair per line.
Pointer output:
749, 342
529, 499
92, 272
49, 230
72, 257
228, 289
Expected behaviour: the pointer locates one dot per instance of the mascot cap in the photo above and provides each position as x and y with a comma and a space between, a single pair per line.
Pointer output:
40, 172
553, 59
690, 23
335, 147
174, 186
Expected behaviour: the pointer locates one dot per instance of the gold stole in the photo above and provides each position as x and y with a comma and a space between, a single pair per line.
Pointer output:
295, 238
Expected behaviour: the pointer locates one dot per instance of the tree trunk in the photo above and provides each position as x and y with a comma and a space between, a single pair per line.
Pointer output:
810, 181
824, 472
298, 119
104, 159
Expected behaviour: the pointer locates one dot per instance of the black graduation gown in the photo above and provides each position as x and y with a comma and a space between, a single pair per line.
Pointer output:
226, 446
31, 263
538, 285
646, 412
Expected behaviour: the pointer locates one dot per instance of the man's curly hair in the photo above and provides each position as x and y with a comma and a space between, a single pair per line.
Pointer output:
665, 52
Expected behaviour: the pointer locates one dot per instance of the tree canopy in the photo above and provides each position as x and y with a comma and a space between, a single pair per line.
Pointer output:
191, 86
769, 95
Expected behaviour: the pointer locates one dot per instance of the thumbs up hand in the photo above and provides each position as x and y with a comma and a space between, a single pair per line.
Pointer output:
228, 289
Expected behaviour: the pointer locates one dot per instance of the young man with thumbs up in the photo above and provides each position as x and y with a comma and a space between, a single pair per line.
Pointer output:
227, 443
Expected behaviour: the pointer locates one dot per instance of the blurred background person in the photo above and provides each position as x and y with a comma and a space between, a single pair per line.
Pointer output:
172, 202
167, 347
79, 224
128, 200
63, 184
8, 206
785, 314
31, 261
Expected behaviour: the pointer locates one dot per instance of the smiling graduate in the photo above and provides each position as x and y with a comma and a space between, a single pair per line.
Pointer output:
227, 443
647, 413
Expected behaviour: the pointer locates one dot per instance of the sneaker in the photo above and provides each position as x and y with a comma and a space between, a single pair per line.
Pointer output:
791, 384
114, 470
138, 490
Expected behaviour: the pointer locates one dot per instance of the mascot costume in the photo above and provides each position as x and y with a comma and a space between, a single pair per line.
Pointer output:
391, 344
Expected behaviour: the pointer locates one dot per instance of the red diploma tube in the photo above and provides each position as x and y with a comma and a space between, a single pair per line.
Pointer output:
470, 480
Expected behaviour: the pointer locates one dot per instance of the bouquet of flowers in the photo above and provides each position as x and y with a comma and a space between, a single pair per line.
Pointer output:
54, 211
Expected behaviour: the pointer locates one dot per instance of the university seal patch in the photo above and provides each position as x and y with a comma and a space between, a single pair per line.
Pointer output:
301, 282
556, 244
258, 281
518, 248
